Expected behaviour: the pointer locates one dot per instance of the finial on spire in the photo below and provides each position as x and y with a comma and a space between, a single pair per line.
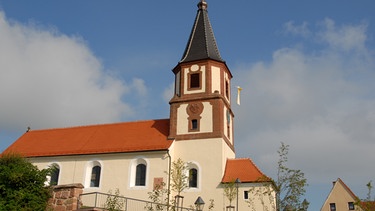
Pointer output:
202, 5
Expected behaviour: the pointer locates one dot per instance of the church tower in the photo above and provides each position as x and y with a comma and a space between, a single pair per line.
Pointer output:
201, 105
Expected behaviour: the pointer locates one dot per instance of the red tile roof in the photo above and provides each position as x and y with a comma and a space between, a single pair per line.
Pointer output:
367, 205
148, 135
245, 170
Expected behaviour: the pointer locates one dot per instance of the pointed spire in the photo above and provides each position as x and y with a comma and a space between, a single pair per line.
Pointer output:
202, 43
202, 5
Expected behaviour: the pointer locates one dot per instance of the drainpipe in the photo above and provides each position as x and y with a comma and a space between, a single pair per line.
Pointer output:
169, 178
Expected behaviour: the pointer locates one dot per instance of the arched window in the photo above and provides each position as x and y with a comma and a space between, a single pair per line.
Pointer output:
95, 176
55, 174
194, 174
193, 178
53, 178
140, 175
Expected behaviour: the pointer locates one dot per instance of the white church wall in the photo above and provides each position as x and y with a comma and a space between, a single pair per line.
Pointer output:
206, 153
260, 196
116, 171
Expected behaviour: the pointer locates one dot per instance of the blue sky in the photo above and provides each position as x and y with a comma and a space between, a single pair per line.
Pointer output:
306, 68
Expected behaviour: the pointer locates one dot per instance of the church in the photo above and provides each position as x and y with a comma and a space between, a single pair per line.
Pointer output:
134, 157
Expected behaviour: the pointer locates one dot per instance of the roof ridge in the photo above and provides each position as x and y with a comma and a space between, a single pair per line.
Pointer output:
141, 135
93, 125
238, 158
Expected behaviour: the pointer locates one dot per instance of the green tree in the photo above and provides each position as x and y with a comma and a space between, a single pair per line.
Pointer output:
369, 190
158, 198
263, 194
290, 185
230, 191
179, 180
114, 202
367, 204
178, 176
22, 185
211, 205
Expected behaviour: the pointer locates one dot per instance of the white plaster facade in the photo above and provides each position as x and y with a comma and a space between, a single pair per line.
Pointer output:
117, 172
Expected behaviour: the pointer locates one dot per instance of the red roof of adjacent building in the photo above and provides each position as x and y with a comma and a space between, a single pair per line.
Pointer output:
137, 136
243, 169
367, 205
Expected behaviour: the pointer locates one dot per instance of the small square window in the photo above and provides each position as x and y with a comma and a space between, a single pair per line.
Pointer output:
195, 80
246, 194
351, 205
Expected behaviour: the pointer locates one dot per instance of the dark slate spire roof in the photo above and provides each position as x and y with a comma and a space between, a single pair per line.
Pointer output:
202, 43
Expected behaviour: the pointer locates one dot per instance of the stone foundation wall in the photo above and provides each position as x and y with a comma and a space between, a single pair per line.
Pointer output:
65, 197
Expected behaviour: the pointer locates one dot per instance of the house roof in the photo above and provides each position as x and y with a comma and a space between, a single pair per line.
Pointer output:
367, 205
345, 187
136, 136
243, 169
202, 43
334, 191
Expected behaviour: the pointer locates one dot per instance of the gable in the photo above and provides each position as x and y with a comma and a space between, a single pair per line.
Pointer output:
340, 194
341, 190
137, 136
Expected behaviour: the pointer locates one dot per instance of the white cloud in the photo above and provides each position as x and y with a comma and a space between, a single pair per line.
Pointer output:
168, 93
48, 79
292, 28
347, 37
140, 87
321, 103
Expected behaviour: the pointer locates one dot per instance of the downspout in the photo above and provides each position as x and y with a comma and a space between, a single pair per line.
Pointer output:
169, 178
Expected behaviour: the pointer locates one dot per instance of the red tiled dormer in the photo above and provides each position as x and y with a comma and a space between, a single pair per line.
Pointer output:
243, 169
137, 136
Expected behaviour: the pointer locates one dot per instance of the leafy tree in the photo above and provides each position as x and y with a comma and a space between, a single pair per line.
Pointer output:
211, 205
22, 185
369, 188
179, 180
264, 194
157, 196
178, 176
367, 204
230, 191
114, 202
290, 185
